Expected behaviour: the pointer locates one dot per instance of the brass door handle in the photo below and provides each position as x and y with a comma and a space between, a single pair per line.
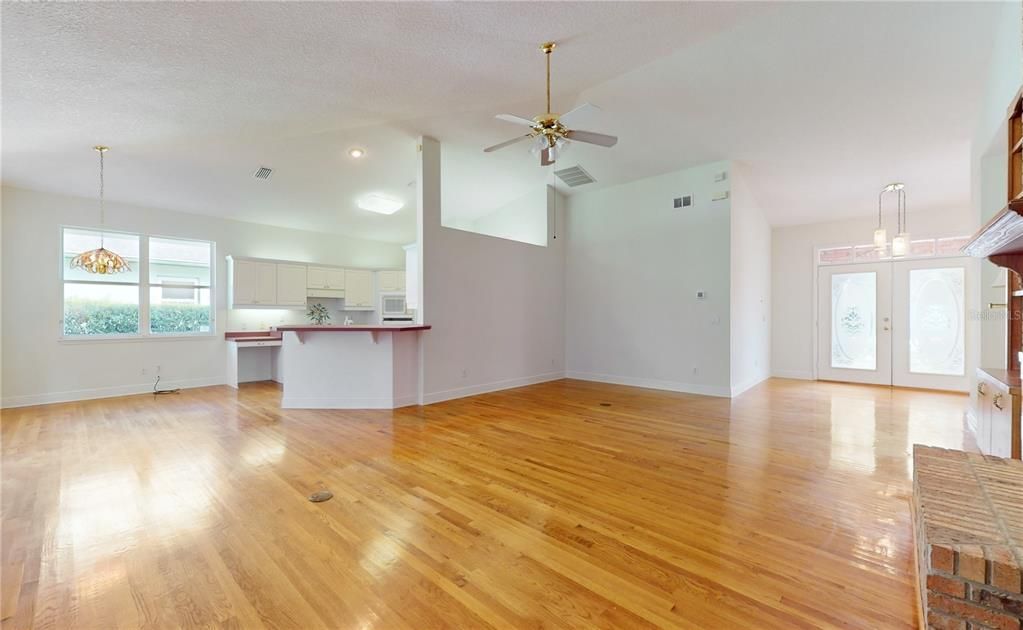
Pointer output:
996, 305
997, 402
980, 389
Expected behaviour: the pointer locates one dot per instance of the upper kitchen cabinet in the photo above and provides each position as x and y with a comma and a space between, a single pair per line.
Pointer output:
254, 283
358, 289
390, 280
291, 285
325, 282
251, 283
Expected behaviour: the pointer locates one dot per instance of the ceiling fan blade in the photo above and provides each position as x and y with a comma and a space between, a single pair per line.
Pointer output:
547, 156
507, 143
518, 120
590, 137
578, 114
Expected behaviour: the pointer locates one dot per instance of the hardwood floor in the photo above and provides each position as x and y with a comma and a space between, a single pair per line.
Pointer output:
566, 504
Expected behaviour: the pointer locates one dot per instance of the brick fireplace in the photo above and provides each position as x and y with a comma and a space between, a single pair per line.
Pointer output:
968, 519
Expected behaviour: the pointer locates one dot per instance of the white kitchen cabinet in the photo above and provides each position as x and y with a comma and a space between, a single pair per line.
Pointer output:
358, 288
330, 278
997, 414
253, 283
291, 284
391, 280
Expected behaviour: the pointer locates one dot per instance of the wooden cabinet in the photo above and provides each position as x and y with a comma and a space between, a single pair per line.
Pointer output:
391, 280
252, 283
329, 278
358, 288
997, 415
291, 285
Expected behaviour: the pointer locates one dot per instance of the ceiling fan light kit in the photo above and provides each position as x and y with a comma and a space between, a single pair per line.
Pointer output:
550, 131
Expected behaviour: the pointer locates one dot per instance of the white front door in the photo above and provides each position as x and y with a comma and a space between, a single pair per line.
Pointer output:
894, 323
854, 315
929, 311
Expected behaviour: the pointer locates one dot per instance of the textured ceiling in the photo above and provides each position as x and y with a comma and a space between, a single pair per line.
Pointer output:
823, 101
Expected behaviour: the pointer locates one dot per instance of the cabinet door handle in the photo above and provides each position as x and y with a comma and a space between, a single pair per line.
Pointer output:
997, 402
980, 389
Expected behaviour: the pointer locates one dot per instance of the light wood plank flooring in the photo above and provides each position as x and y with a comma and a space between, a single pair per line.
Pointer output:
566, 504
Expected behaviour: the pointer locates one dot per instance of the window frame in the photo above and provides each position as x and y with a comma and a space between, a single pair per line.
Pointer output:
143, 284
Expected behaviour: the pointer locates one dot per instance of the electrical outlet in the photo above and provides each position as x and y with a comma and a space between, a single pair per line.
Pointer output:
158, 369
465, 373
144, 371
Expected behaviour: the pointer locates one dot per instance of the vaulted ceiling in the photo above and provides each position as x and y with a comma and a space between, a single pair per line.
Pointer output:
824, 102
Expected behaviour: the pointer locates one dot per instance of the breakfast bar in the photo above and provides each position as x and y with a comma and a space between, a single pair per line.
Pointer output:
350, 367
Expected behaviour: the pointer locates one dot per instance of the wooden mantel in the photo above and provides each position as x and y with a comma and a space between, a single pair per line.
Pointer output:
1001, 238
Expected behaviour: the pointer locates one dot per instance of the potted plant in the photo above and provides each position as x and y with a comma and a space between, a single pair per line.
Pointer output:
318, 314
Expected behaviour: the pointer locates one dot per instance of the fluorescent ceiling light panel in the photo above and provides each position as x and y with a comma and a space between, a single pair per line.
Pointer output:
380, 204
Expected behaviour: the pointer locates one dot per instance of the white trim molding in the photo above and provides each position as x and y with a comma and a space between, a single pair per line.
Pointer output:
801, 375
672, 386
473, 390
105, 392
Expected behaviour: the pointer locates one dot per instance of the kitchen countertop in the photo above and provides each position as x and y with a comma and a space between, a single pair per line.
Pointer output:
1010, 378
352, 328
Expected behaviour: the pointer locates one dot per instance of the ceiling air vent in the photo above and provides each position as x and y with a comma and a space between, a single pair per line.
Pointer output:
263, 173
574, 176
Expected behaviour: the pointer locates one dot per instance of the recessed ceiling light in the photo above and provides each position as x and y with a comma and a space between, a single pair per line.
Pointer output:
380, 204
356, 152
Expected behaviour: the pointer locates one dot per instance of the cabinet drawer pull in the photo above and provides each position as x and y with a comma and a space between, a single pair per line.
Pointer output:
997, 402
981, 389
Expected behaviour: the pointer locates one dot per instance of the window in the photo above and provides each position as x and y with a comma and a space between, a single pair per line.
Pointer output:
167, 292
180, 283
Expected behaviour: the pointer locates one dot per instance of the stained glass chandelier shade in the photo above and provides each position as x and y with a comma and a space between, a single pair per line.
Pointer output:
102, 260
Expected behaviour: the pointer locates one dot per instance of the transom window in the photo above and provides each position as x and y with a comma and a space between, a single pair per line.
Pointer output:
167, 292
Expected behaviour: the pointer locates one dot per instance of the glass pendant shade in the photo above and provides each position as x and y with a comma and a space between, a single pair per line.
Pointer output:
880, 239
900, 244
101, 261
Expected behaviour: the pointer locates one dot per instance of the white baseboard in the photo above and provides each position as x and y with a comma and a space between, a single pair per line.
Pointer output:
672, 386
796, 374
330, 402
738, 389
473, 390
105, 392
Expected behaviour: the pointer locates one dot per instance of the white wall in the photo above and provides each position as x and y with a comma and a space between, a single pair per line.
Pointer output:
38, 368
524, 219
793, 277
750, 303
496, 306
633, 267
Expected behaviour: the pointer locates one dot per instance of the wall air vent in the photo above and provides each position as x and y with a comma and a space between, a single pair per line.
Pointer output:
263, 173
574, 176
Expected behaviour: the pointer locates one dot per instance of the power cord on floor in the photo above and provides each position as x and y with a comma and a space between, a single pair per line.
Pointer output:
157, 392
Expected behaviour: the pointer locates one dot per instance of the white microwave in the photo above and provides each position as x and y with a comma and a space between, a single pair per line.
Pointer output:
393, 305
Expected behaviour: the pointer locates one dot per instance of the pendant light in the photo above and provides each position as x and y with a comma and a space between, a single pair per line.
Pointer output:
102, 260
880, 234
900, 244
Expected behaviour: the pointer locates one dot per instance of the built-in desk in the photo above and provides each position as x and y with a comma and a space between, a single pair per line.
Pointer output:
253, 356
350, 367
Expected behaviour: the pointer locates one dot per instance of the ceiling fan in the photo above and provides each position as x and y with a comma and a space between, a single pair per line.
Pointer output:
550, 132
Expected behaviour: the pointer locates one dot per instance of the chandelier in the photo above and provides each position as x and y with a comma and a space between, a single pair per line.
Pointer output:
102, 260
